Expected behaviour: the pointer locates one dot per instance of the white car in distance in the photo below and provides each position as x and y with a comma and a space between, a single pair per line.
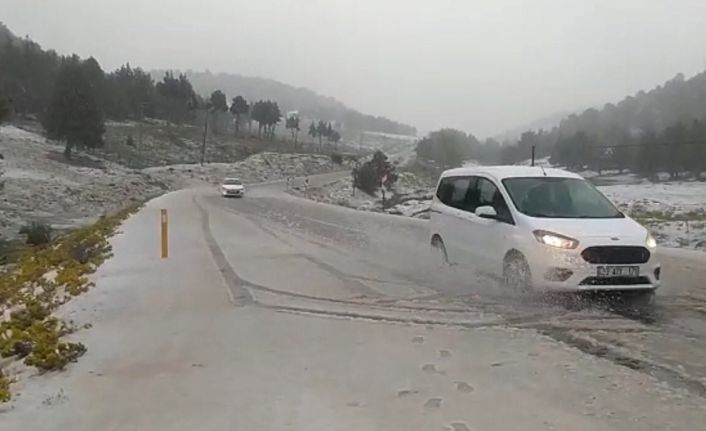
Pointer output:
539, 228
232, 187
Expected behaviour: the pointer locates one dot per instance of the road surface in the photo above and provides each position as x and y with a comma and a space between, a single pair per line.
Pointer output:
277, 313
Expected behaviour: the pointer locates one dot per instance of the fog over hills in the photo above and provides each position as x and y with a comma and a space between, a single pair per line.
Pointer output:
290, 98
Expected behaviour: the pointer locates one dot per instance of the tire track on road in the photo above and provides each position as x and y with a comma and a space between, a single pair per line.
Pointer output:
239, 295
577, 337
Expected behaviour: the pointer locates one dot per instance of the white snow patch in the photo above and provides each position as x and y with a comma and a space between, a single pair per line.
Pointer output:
673, 212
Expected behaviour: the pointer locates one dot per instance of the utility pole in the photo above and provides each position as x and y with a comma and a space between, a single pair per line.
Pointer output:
139, 125
205, 131
533, 155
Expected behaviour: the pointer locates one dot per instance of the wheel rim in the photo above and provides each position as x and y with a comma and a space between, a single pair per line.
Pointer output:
517, 275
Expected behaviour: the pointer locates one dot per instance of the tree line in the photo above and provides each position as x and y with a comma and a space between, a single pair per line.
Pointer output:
448, 148
679, 150
72, 97
323, 130
308, 103
662, 130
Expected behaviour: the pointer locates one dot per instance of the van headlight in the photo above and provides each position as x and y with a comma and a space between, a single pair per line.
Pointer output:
650, 241
555, 240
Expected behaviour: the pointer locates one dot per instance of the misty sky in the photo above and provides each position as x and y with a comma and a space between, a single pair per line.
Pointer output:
483, 66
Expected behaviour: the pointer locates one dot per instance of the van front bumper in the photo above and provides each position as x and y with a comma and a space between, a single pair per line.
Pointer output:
567, 270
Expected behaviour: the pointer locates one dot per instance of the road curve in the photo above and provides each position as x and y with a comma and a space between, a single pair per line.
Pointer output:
273, 312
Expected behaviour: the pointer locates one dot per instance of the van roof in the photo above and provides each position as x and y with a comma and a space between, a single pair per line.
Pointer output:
501, 172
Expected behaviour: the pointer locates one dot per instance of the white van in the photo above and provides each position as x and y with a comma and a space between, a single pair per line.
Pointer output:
540, 228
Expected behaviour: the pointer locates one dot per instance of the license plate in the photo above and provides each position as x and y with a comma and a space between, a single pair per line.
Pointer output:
618, 271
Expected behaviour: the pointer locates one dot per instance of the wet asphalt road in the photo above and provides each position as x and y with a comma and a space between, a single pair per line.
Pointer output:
278, 313
667, 340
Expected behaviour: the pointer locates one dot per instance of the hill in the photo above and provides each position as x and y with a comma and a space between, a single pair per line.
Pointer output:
546, 122
660, 130
678, 100
6, 35
309, 104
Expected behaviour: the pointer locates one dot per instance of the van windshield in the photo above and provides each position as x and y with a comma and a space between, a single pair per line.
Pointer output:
552, 197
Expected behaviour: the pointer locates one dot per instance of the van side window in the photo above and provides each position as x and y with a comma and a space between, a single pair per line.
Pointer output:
458, 197
470, 202
445, 190
452, 191
489, 194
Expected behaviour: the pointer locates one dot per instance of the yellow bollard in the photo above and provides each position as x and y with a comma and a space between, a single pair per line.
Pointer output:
165, 237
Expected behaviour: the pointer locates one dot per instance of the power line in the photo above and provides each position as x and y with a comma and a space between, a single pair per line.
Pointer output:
651, 144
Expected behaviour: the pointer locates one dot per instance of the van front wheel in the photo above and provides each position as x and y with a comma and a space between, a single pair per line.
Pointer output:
516, 273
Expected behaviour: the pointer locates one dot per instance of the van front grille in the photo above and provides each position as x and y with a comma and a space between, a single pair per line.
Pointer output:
617, 255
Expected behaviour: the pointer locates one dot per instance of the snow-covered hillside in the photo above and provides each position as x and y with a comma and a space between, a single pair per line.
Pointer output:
39, 184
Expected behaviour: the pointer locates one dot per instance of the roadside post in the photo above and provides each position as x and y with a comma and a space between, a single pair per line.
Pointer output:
164, 233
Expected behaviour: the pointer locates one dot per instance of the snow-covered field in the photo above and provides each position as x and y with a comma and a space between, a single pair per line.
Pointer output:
410, 197
675, 212
256, 168
39, 184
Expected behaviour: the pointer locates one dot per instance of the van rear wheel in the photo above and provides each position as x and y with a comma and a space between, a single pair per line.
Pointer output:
439, 250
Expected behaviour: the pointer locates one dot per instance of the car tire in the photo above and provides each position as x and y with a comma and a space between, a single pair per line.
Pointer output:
517, 274
439, 250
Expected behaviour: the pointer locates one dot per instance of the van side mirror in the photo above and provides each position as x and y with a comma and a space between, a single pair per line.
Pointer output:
487, 212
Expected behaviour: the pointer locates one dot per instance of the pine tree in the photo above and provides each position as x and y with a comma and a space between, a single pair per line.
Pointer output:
4, 107
238, 108
73, 114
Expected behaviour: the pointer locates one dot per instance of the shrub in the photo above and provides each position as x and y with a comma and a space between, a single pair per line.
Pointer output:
37, 233
375, 173
337, 158
365, 178
4, 388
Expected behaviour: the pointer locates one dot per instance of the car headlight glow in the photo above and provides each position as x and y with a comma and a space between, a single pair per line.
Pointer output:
555, 240
650, 241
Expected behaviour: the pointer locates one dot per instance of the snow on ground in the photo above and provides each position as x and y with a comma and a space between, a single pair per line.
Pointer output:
256, 168
673, 211
410, 196
39, 184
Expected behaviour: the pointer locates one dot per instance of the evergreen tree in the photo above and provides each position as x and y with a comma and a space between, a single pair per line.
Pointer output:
73, 114
313, 130
215, 107
238, 108
5, 107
